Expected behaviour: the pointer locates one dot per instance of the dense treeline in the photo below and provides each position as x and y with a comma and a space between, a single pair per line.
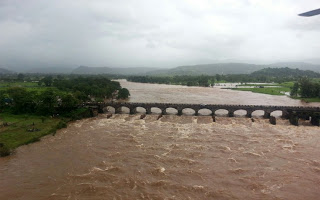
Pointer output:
267, 75
285, 72
204, 81
306, 88
59, 95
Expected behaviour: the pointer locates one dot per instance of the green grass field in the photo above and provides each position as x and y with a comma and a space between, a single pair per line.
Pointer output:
282, 87
19, 84
16, 134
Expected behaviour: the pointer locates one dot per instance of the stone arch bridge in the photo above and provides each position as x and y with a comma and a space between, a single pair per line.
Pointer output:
293, 113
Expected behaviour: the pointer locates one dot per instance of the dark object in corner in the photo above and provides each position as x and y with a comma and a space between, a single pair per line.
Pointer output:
159, 116
143, 116
214, 118
310, 13
273, 120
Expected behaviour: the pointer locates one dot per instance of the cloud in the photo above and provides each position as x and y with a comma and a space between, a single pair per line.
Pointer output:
154, 33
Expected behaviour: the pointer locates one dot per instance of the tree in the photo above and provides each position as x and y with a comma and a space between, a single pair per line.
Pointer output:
20, 77
68, 102
294, 90
47, 81
123, 93
48, 101
306, 88
23, 101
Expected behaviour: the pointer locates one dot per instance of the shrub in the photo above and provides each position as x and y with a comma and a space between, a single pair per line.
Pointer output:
4, 151
62, 124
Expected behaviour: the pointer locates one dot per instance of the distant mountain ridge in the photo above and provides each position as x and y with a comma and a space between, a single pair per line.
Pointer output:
210, 69
50, 70
299, 65
203, 69
110, 70
285, 72
230, 68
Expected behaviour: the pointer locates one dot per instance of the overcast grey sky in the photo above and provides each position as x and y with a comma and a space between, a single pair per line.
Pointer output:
156, 33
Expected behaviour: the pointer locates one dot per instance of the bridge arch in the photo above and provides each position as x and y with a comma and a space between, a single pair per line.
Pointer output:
155, 110
188, 111
138, 109
221, 112
123, 110
205, 112
258, 113
171, 111
109, 109
240, 113
276, 113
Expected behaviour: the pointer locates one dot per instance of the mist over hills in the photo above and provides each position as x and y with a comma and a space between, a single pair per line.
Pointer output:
50, 70
299, 65
5, 71
210, 69
205, 69
111, 70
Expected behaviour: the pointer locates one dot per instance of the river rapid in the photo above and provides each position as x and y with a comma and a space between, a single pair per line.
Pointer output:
175, 157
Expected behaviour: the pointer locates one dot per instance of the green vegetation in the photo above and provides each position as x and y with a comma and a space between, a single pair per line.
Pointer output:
285, 72
16, 130
266, 90
30, 110
204, 81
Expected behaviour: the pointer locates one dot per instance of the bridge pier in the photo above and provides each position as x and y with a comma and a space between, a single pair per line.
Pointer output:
133, 111
94, 112
230, 113
266, 114
213, 113
179, 112
285, 114
163, 111
249, 113
294, 119
196, 112
315, 120
117, 110
148, 111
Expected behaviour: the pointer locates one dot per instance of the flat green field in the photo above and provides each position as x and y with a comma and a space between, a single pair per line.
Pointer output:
16, 132
279, 90
19, 84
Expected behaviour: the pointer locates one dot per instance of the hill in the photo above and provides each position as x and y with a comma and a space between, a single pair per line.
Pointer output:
300, 65
210, 69
50, 70
230, 68
285, 72
110, 70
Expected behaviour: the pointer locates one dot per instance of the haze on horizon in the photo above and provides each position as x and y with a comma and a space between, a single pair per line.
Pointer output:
154, 33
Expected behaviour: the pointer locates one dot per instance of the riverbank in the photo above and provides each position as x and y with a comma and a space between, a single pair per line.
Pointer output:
274, 89
18, 130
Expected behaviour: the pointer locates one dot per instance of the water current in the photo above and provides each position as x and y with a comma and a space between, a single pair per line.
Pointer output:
175, 157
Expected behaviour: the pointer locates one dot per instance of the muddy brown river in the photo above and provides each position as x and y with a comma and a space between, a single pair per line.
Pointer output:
175, 157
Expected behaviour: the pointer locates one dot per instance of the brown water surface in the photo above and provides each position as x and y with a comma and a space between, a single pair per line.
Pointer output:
185, 157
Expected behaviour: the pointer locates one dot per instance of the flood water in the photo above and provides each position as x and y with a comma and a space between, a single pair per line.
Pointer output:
184, 157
